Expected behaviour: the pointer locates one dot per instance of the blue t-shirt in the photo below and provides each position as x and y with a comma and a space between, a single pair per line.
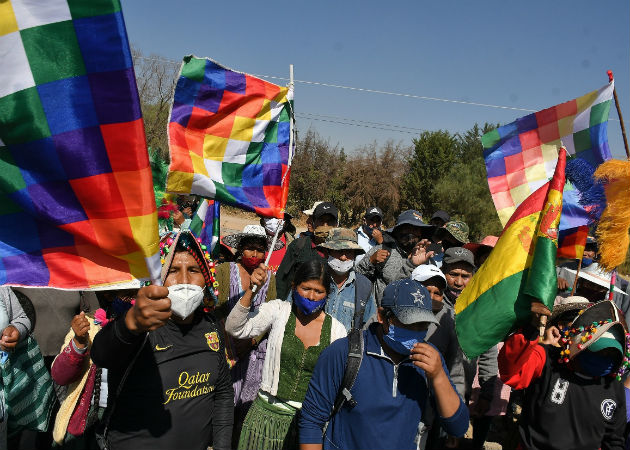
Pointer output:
390, 401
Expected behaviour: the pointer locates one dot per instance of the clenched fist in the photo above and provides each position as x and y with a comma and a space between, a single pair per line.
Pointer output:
81, 327
9, 339
258, 276
151, 310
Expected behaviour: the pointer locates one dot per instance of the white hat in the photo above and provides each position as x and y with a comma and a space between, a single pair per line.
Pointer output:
598, 277
427, 271
309, 212
233, 240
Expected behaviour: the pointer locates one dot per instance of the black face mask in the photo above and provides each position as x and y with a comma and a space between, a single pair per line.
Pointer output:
407, 241
367, 230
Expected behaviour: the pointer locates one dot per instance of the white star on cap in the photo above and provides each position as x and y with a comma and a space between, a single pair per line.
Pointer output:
418, 297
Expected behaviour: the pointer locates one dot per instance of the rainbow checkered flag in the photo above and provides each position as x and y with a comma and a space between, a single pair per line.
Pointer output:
206, 223
77, 209
521, 156
230, 138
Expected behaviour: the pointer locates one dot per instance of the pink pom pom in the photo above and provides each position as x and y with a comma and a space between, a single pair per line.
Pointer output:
100, 317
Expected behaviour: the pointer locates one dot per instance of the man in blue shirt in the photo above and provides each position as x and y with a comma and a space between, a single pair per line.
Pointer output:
349, 291
400, 380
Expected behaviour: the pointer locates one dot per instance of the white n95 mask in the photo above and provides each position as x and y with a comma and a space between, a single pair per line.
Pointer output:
340, 267
185, 299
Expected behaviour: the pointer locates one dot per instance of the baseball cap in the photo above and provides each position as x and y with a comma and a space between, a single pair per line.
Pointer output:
342, 239
456, 228
309, 212
410, 301
325, 208
458, 254
425, 272
373, 211
442, 215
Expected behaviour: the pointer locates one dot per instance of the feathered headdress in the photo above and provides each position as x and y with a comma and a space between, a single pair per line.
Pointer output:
612, 231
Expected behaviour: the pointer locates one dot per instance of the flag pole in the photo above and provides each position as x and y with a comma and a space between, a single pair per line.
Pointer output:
271, 247
623, 127
577, 275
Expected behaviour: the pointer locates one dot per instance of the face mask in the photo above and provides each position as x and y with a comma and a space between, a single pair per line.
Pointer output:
594, 364
271, 226
402, 340
185, 299
251, 263
340, 267
587, 262
306, 306
407, 241
367, 230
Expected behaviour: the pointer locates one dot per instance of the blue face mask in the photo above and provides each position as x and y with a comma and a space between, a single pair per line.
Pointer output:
306, 306
595, 365
587, 262
402, 340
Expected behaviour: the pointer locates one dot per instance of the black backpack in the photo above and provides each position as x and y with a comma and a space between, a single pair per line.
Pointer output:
355, 355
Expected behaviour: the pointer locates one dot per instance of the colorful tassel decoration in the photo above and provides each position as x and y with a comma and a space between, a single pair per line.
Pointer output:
612, 231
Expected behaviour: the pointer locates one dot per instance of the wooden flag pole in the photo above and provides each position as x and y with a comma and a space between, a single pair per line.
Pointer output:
271, 247
577, 275
623, 127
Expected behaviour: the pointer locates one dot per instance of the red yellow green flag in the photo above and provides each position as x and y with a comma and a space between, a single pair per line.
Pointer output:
520, 269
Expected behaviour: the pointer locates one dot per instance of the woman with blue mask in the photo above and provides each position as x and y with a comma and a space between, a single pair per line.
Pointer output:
298, 332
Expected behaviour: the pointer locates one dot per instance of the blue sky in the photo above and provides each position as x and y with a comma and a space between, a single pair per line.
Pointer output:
529, 55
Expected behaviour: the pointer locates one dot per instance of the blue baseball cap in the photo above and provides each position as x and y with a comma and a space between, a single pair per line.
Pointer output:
410, 301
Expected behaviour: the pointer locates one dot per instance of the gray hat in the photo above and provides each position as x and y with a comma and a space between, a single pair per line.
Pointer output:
410, 301
459, 254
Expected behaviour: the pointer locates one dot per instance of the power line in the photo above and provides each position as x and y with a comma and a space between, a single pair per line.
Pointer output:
391, 125
374, 91
353, 124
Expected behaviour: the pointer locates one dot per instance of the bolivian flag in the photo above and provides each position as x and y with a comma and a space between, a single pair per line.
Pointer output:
520, 269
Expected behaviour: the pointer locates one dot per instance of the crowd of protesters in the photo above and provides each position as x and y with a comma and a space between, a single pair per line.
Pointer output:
344, 340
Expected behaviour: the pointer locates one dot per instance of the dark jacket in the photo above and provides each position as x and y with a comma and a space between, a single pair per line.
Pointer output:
178, 392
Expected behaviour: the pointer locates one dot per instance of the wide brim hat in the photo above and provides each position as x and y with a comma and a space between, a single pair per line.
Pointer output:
251, 231
572, 303
342, 239
413, 218
597, 277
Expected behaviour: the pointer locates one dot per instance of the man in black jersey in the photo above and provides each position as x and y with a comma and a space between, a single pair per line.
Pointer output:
574, 398
169, 382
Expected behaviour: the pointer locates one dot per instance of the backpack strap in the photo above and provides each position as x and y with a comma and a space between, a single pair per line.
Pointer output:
355, 356
362, 291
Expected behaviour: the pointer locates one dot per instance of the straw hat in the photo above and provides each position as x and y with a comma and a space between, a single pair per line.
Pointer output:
251, 231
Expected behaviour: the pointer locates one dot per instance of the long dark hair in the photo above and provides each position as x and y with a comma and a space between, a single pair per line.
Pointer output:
313, 269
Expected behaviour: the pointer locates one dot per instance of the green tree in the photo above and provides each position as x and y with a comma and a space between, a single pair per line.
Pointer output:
432, 157
464, 191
